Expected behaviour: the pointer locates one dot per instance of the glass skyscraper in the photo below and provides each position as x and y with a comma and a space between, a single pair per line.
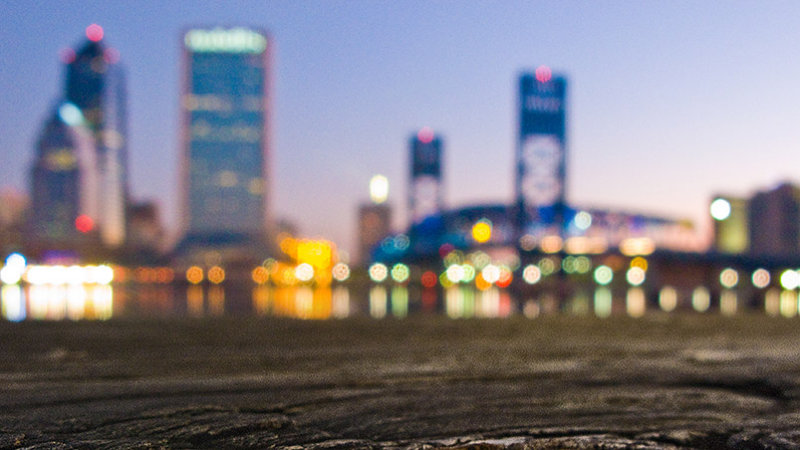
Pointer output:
95, 84
541, 154
225, 142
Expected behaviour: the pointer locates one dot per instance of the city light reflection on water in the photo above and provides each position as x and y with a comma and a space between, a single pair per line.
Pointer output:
470, 286
378, 301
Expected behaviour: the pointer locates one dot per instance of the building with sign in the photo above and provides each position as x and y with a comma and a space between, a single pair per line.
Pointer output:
225, 140
425, 187
541, 154
95, 84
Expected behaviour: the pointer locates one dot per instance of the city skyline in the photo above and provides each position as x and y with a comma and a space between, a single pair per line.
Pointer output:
662, 113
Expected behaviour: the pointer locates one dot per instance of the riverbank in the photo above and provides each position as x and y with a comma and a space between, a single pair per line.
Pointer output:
680, 380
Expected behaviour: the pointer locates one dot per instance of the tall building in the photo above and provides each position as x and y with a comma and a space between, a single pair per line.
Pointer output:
14, 207
95, 84
64, 188
731, 224
775, 222
425, 190
225, 140
374, 219
541, 154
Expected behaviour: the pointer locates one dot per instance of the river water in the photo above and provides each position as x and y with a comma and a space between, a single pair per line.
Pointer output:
106, 301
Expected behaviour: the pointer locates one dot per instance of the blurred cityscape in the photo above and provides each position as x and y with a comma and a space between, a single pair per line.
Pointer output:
76, 245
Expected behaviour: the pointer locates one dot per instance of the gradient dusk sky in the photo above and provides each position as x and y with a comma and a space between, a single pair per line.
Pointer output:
669, 102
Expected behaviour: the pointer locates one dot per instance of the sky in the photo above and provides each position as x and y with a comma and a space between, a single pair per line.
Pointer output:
669, 103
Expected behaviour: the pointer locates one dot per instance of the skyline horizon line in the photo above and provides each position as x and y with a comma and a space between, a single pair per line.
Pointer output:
393, 200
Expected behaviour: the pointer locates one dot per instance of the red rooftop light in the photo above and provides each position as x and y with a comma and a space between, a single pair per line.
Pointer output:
425, 135
94, 32
543, 74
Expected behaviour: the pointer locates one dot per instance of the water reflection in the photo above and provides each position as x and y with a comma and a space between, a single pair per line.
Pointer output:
57, 302
13, 303
603, 302
379, 300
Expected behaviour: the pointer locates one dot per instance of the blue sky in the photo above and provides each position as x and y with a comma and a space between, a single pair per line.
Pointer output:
669, 102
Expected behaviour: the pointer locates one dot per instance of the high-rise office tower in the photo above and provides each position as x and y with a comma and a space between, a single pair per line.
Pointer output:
774, 222
95, 84
541, 154
64, 190
374, 219
731, 224
225, 141
425, 190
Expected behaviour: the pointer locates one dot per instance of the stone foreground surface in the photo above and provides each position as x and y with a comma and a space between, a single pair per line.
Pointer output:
678, 381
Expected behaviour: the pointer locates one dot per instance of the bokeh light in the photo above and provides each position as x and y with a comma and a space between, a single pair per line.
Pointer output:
482, 231
547, 265
469, 273
216, 274
505, 278
341, 272
635, 276
84, 223
531, 274
94, 32
640, 263
194, 275
790, 279
429, 279
425, 135
603, 275
455, 273
720, 209
400, 273
527, 242
729, 278
378, 189
761, 278
543, 74
583, 220
490, 273
260, 275
304, 272
378, 272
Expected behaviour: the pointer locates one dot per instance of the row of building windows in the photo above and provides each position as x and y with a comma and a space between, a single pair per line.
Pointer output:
204, 131
218, 103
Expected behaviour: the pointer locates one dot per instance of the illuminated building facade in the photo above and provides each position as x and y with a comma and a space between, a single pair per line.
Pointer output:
64, 189
95, 84
731, 224
541, 154
425, 190
225, 143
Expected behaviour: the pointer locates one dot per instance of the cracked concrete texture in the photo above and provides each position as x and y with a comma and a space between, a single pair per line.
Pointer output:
678, 381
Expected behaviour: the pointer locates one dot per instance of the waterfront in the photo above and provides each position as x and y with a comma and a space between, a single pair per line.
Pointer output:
78, 301
684, 380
